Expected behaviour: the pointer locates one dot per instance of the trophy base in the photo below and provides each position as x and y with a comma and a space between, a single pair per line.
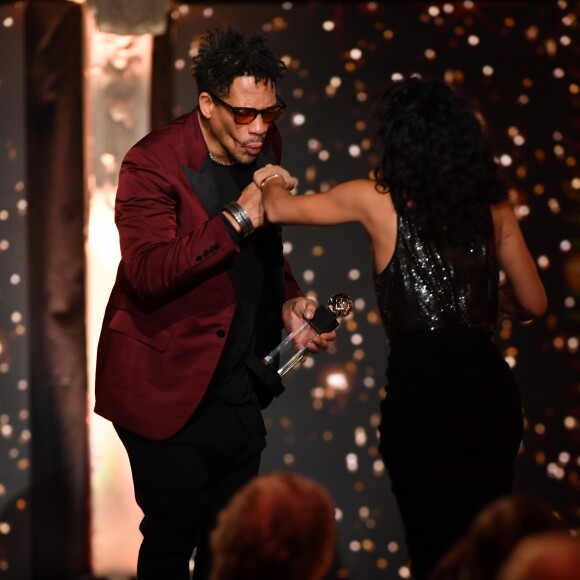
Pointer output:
267, 374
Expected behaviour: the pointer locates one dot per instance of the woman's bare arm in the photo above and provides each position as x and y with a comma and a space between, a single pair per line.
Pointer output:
352, 201
526, 297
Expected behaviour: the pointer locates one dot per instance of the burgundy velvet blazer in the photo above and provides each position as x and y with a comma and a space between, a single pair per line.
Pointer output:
172, 304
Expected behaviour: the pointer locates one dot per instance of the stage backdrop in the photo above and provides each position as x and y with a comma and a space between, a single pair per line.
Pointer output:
517, 60
44, 526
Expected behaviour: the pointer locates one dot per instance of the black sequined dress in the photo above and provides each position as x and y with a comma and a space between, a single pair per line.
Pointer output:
451, 420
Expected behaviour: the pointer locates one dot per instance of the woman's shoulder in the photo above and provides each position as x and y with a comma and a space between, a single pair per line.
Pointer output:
365, 183
502, 209
502, 214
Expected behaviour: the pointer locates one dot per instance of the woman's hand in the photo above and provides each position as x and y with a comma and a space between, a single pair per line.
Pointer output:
271, 173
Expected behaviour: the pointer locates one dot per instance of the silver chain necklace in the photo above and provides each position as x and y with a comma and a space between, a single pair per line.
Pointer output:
219, 162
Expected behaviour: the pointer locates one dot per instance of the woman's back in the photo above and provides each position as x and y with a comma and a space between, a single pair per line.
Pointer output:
437, 284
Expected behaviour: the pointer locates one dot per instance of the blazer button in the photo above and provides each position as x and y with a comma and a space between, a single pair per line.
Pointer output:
206, 253
221, 333
198, 258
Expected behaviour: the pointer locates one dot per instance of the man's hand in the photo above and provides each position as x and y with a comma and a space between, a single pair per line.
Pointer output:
251, 201
294, 312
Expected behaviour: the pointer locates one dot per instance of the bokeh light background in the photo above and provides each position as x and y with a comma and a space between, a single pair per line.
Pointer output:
518, 61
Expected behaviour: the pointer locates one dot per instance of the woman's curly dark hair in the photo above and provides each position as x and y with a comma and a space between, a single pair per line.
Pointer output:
435, 159
226, 54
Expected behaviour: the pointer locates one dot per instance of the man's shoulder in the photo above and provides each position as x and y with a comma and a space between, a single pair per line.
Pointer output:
171, 133
173, 140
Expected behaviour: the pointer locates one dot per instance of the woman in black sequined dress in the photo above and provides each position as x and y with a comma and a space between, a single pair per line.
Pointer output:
441, 229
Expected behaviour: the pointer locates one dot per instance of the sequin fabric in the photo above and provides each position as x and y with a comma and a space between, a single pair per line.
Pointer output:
435, 286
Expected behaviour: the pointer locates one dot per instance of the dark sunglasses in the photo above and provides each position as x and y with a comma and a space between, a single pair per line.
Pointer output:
245, 115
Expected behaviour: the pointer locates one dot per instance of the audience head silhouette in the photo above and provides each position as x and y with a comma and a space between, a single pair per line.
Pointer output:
501, 525
279, 526
494, 534
546, 556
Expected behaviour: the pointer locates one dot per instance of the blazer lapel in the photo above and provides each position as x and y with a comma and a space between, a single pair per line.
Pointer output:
205, 188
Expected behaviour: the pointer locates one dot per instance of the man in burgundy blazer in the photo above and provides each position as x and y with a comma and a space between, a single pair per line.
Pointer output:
173, 300
202, 286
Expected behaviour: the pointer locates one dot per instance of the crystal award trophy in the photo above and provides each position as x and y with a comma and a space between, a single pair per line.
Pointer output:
278, 363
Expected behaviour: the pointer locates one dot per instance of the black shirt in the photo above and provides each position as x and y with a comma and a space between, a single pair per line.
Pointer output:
232, 382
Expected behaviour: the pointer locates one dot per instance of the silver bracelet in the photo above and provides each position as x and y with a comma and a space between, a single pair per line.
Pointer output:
241, 216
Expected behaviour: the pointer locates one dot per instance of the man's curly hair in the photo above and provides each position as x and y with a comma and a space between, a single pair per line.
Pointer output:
435, 159
227, 54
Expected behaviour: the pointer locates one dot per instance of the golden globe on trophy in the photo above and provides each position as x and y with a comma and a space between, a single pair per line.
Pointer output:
294, 347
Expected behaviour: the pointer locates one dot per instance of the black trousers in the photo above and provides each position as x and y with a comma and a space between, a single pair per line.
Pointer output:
183, 482
451, 425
